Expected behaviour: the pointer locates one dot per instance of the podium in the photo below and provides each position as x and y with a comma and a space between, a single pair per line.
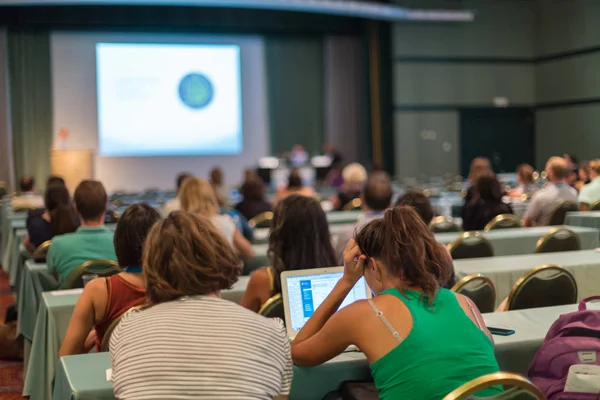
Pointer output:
73, 166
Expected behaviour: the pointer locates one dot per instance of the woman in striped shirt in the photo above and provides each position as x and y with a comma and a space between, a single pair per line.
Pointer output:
191, 344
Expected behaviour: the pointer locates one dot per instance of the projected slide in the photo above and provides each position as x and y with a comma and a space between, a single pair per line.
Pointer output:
166, 99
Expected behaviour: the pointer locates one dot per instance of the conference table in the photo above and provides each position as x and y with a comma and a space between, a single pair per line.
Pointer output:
84, 377
589, 219
504, 271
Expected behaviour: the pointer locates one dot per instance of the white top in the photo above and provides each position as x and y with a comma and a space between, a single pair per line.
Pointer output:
27, 201
200, 348
225, 225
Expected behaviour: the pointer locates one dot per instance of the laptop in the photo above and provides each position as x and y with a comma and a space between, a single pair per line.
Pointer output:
304, 290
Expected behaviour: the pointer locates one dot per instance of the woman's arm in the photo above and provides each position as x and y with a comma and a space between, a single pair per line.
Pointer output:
327, 333
83, 318
27, 243
259, 281
473, 313
242, 245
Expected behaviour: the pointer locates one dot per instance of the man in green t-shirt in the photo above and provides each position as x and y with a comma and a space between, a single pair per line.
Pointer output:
92, 241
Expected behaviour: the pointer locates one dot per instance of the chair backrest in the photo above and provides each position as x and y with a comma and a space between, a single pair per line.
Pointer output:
443, 224
106, 338
470, 245
519, 388
596, 206
558, 215
503, 221
273, 308
352, 205
262, 220
543, 286
479, 289
102, 268
40, 253
559, 239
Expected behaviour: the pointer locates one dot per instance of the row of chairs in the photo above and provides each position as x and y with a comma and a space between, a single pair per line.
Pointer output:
475, 245
544, 286
447, 224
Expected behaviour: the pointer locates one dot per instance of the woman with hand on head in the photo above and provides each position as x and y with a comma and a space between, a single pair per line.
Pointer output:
421, 341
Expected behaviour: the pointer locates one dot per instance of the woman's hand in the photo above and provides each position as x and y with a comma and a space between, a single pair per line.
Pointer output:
354, 262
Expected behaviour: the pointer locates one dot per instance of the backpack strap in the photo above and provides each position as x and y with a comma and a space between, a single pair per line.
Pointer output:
582, 304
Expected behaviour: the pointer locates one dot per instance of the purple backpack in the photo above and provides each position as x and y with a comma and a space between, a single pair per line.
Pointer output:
573, 338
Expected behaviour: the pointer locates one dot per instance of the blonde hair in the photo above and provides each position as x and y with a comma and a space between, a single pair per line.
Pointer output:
198, 196
354, 173
479, 166
594, 165
525, 172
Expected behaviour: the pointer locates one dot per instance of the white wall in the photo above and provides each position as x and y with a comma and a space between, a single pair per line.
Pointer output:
74, 99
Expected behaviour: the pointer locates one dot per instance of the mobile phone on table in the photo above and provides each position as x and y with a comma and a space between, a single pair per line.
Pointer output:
501, 331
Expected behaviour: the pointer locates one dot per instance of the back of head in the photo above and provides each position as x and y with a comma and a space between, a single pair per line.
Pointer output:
253, 189
479, 166
408, 249
488, 188
57, 201
557, 169
594, 167
185, 255
294, 180
181, 178
354, 174
27, 183
525, 172
299, 237
377, 193
53, 179
131, 232
198, 196
90, 200
419, 202
216, 176
570, 158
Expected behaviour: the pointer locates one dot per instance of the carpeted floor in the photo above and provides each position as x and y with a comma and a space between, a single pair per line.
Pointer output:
11, 373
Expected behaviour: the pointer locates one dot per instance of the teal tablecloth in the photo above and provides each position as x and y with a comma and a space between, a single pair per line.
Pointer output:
504, 271
523, 240
84, 377
589, 219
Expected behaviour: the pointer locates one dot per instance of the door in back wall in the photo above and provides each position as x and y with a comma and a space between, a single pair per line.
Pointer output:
504, 135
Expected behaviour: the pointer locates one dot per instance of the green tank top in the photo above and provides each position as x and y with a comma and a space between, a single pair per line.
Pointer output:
444, 350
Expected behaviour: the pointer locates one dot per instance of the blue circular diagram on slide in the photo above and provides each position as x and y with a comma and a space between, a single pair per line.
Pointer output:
196, 90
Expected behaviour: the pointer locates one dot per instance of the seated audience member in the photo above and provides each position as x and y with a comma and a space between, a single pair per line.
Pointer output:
375, 199
91, 241
28, 199
216, 181
570, 159
198, 197
479, 166
354, 176
420, 203
58, 218
557, 191
54, 179
399, 330
294, 186
175, 204
299, 239
485, 206
590, 193
193, 343
584, 176
105, 299
253, 202
524, 181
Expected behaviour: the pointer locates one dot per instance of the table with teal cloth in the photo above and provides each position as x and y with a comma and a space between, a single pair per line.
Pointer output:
523, 240
589, 219
83, 377
504, 271
53, 315
10, 257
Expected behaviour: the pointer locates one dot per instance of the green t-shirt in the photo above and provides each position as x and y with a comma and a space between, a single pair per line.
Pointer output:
69, 251
443, 350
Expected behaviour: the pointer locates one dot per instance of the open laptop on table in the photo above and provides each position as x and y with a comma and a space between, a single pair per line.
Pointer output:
304, 290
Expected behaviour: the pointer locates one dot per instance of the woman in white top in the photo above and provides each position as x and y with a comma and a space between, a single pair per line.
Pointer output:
190, 343
198, 196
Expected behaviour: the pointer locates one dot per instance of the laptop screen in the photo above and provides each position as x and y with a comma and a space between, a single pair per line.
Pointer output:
307, 292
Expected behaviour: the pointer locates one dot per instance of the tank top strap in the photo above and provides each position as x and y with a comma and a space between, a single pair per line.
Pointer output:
271, 279
385, 321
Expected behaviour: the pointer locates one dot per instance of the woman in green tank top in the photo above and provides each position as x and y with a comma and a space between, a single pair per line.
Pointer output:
421, 341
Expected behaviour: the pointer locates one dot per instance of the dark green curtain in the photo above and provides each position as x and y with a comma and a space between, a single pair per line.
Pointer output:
31, 102
295, 91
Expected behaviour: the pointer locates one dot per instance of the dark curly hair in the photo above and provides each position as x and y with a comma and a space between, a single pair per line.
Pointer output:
299, 237
185, 255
